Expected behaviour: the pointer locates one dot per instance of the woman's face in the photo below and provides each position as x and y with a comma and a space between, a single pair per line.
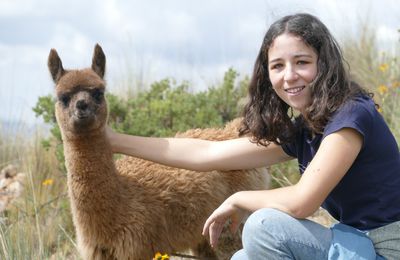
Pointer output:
292, 66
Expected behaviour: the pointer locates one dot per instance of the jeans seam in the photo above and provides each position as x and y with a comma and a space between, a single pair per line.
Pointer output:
282, 241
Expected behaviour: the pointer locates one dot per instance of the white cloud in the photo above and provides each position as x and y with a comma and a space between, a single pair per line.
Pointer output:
178, 27
9, 8
386, 37
386, 33
71, 43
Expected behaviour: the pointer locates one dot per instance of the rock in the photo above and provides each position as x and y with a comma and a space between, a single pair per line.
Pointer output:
8, 171
11, 186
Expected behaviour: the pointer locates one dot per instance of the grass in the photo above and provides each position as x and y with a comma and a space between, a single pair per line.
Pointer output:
38, 225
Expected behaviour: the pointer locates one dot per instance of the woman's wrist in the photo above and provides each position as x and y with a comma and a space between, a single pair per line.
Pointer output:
234, 199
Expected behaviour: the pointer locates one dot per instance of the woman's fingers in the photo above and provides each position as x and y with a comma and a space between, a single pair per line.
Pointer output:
207, 225
215, 232
214, 225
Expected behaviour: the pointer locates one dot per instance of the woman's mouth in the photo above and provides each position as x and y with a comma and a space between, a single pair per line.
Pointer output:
295, 90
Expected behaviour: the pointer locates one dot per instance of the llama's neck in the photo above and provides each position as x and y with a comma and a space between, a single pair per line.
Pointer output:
92, 176
89, 157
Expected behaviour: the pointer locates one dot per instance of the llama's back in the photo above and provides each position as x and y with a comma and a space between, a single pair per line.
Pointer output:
166, 179
186, 198
253, 179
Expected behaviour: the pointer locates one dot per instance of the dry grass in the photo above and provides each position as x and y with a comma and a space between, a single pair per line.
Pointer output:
38, 224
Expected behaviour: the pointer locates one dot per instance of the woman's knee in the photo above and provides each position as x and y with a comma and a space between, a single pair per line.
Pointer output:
263, 218
264, 224
264, 234
279, 235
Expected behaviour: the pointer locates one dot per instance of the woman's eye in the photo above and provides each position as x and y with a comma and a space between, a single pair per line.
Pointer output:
302, 62
276, 66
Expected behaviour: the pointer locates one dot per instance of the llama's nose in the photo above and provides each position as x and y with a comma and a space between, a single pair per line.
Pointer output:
81, 105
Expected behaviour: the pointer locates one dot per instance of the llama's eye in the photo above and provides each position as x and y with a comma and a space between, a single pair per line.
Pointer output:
64, 99
98, 95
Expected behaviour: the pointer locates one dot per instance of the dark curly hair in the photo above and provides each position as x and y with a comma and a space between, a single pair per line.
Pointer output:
266, 117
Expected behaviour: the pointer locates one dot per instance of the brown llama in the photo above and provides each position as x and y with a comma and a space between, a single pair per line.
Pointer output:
132, 208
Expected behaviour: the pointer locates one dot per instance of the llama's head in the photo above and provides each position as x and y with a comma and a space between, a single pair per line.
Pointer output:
81, 109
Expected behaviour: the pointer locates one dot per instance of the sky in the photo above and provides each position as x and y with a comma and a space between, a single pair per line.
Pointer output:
145, 41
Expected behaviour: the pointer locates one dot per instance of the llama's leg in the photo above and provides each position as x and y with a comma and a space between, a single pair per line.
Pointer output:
204, 250
228, 243
100, 253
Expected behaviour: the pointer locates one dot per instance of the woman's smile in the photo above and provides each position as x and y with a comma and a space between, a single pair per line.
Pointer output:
295, 90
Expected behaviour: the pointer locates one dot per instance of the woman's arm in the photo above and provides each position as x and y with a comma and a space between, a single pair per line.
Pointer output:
335, 156
198, 154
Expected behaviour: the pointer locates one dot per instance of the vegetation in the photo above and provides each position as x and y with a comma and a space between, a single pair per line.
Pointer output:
39, 226
379, 72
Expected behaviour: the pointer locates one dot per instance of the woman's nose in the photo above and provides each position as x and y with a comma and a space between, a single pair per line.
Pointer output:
290, 74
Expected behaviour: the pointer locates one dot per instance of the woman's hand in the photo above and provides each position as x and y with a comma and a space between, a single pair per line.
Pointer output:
216, 221
110, 134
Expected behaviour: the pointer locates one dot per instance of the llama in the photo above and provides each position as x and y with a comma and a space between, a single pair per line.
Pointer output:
132, 208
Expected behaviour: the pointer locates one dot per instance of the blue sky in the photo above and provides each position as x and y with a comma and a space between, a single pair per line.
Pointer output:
150, 40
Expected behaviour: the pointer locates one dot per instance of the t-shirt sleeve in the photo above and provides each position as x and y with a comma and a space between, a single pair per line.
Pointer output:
290, 149
356, 114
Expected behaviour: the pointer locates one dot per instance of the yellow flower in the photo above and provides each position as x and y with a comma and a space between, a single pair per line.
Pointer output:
383, 67
380, 110
47, 182
159, 256
382, 89
396, 84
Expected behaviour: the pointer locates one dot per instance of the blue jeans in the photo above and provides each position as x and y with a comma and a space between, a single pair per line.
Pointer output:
271, 234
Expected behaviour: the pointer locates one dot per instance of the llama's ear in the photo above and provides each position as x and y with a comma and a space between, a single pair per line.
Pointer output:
99, 61
55, 66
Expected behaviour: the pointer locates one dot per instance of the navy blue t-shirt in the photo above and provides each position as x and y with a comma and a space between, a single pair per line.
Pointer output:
368, 196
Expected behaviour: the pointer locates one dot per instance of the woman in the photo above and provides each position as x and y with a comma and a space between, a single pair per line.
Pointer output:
348, 158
